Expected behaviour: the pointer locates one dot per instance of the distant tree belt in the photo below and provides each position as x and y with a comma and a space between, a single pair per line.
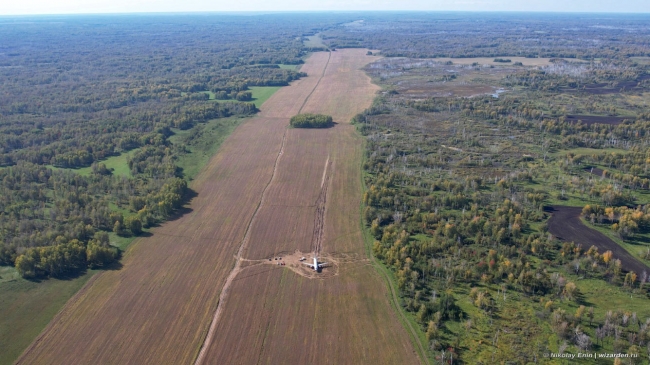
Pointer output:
311, 121
450, 38
238, 78
78, 143
233, 88
502, 60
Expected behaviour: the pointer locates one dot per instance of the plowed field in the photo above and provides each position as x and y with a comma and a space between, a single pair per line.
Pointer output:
258, 197
343, 315
565, 224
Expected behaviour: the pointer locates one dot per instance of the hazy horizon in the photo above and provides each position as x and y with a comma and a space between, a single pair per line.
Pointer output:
70, 7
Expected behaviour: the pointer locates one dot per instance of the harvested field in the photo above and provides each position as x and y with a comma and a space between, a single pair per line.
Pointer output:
594, 119
256, 198
179, 271
286, 220
295, 261
565, 224
313, 205
284, 318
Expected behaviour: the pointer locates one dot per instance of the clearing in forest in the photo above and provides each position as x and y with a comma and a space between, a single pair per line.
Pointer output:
314, 41
264, 193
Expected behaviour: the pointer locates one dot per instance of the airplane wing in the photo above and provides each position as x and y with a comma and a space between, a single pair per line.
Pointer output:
323, 264
308, 264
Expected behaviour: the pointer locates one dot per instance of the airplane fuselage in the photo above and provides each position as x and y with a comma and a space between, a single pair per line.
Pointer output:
316, 265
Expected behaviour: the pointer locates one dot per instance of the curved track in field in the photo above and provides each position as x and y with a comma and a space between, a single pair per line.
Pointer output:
226, 288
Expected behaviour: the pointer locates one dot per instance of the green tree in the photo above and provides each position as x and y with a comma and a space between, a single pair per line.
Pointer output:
26, 264
571, 291
99, 254
118, 228
432, 331
133, 224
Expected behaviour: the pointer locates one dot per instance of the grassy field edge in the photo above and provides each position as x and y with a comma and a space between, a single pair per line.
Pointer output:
416, 335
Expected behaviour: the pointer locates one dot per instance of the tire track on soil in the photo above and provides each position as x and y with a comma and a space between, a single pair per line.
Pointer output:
329, 56
226, 288
319, 219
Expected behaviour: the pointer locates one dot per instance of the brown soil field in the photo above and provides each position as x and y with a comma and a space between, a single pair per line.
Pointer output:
285, 221
566, 225
257, 197
283, 318
593, 119
281, 315
594, 170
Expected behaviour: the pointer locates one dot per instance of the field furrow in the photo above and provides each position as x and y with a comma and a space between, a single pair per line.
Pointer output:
283, 315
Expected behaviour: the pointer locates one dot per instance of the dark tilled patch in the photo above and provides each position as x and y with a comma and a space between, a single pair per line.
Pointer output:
605, 88
566, 225
592, 119
594, 170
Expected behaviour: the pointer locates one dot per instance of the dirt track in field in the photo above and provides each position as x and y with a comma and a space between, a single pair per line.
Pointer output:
565, 224
257, 198
274, 316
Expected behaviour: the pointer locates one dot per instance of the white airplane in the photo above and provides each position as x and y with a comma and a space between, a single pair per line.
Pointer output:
316, 265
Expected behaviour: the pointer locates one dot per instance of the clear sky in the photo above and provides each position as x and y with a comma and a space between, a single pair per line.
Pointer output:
14, 7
